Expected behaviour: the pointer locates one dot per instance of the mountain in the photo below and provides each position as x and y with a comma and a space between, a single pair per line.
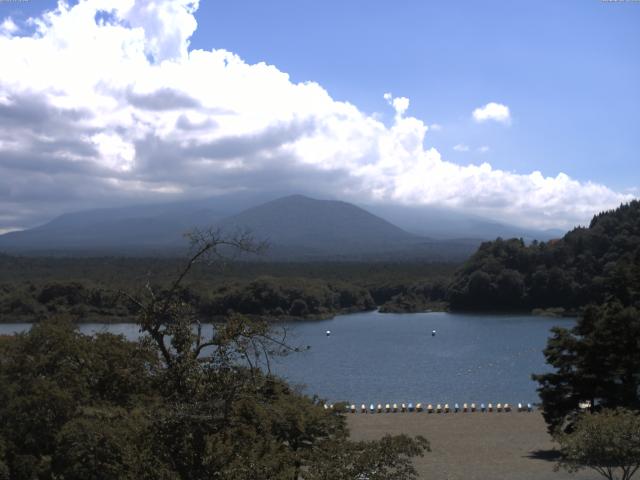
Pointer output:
132, 228
445, 223
138, 229
319, 226
296, 227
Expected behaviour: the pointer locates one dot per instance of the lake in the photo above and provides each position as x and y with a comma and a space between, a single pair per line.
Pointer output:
373, 357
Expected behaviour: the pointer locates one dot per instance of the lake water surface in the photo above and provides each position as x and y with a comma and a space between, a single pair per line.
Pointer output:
378, 358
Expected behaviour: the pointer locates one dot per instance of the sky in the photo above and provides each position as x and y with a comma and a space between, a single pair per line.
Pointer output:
525, 112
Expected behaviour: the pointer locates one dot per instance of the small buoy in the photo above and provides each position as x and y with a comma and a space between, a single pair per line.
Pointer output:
433, 333
328, 332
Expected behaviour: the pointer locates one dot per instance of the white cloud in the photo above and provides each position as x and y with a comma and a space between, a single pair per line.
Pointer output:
492, 111
461, 147
399, 104
120, 109
436, 127
8, 27
483, 149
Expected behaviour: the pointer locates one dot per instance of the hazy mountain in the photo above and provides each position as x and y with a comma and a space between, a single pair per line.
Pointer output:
443, 223
304, 226
296, 227
110, 229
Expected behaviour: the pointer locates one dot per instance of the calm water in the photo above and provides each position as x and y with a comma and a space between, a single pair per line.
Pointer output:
377, 358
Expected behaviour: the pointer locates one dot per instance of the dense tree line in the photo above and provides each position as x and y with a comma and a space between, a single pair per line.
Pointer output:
588, 265
289, 291
277, 298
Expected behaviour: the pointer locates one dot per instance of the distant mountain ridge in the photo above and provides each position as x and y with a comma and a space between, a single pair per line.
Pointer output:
296, 227
320, 225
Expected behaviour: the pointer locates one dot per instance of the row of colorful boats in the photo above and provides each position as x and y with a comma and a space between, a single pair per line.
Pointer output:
438, 408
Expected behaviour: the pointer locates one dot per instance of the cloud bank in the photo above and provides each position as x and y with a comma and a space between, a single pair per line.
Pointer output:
106, 103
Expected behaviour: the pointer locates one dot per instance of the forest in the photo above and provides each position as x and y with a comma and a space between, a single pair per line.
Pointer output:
593, 264
91, 289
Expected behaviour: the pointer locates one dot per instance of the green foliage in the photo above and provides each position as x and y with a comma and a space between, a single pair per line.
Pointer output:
386, 459
49, 374
598, 361
607, 442
588, 265
103, 443
176, 405
88, 289
295, 297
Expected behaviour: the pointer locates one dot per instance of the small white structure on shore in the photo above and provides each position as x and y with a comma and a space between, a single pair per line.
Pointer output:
433, 333
328, 332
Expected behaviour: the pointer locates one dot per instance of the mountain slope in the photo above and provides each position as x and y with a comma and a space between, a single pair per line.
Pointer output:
297, 228
320, 226
445, 223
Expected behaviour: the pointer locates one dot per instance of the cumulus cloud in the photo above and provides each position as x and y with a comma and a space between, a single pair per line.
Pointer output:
460, 147
106, 103
483, 149
8, 27
496, 112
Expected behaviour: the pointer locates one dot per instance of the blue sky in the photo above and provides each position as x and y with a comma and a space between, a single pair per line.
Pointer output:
568, 70
127, 114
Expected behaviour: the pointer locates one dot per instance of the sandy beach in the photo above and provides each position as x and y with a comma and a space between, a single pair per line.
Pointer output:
473, 446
